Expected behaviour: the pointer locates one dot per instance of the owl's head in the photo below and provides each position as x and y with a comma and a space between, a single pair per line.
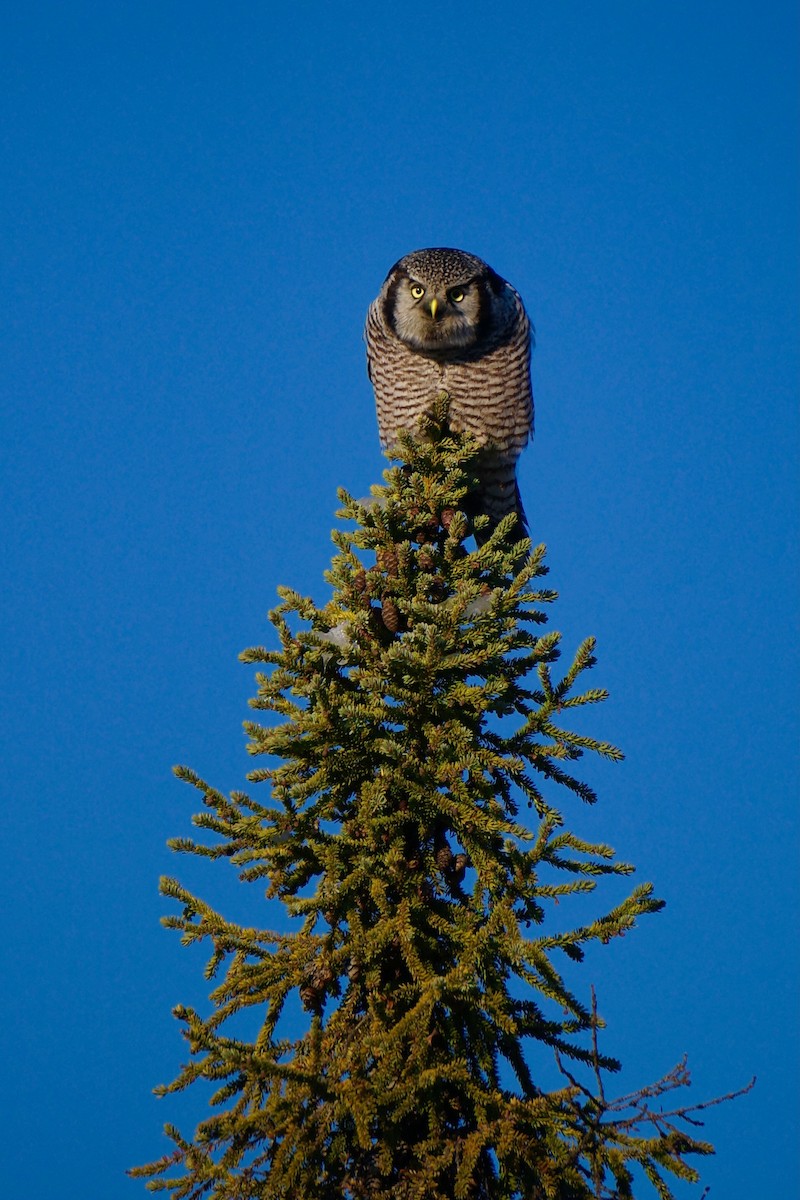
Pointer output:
441, 300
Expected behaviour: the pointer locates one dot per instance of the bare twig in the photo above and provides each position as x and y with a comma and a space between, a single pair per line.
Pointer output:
600, 1123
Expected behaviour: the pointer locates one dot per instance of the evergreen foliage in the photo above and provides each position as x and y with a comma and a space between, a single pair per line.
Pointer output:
411, 718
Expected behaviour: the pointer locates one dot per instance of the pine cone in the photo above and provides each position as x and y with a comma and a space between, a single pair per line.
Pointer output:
312, 989
445, 859
387, 560
460, 864
378, 625
310, 998
390, 614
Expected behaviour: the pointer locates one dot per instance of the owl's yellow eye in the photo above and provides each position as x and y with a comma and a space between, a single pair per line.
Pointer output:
457, 295
417, 291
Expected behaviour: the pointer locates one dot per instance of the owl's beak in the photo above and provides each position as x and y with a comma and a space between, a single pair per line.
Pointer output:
434, 306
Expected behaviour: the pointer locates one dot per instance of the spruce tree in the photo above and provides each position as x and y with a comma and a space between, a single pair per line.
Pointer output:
409, 721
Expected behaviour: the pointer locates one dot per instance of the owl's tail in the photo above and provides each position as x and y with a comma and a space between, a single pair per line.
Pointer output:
496, 496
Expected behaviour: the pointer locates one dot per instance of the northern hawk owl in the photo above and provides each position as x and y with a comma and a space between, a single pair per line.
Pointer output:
445, 321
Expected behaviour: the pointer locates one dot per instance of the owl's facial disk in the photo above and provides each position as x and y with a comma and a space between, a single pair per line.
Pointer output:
434, 318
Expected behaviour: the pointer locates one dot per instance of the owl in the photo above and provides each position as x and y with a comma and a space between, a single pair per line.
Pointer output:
445, 321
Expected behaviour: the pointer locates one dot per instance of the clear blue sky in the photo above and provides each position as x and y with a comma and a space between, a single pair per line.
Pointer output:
198, 203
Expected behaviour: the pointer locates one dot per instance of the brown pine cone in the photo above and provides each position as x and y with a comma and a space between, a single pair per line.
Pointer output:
390, 614
387, 560
445, 859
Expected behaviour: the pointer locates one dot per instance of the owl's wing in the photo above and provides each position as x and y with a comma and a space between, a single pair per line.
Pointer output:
372, 332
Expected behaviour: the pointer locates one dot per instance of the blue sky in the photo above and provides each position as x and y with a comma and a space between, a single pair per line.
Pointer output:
198, 205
